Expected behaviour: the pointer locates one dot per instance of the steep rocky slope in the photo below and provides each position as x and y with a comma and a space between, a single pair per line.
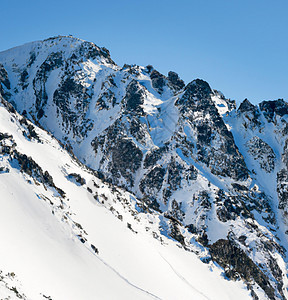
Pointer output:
66, 234
185, 151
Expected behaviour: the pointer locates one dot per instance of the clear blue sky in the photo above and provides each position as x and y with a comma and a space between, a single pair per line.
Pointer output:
239, 47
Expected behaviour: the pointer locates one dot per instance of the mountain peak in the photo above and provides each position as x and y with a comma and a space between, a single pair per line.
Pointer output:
199, 88
68, 46
195, 173
278, 107
246, 105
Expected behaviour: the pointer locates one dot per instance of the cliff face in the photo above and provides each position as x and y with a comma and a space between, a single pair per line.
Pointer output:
185, 151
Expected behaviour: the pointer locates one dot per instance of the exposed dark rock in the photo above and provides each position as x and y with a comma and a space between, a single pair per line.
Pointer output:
251, 114
175, 232
138, 129
151, 202
153, 156
94, 249
77, 178
82, 239
175, 212
152, 181
4, 77
223, 158
4, 136
4, 82
149, 68
76, 113
3, 169
272, 108
23, 78
235, 261
263, 153
175, 171
229, 207
53, 61
48, 179
203, 239
134, 97
204, 199
242, 239
282, 189
126, 155
239, 187
158, 81
198, 88
8, 105
126, 159
30, 167
91, 51
191, 228
32, 59
30, 133
246, 106
175, 81
190, 173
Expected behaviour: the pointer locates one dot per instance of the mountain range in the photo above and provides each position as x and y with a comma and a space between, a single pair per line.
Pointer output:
124, 183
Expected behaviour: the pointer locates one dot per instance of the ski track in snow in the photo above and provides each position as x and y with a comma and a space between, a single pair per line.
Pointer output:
182, 278
125, 279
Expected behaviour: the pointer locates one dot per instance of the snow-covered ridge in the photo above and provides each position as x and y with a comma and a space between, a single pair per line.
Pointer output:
190, 159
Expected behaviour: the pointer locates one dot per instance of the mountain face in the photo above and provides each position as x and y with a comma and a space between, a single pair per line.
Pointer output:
180, 162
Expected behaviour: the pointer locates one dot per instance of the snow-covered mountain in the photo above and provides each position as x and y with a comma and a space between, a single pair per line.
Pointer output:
157, 188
